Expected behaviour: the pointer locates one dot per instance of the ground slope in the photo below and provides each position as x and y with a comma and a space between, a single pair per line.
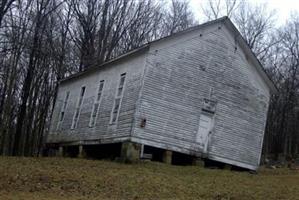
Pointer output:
64, 178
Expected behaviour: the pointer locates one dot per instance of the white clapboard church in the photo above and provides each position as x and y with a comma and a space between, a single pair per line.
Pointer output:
199, 93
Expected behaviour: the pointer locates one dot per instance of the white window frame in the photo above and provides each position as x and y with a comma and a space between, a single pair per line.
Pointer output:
79, 107
93, 119
63, 109
120, 97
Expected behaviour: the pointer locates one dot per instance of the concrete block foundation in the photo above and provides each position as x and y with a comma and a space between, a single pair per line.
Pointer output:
60, 151
81, 153
198, 162
167, 157
130, 152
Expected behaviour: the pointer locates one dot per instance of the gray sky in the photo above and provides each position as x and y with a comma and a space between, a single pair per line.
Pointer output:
283, 8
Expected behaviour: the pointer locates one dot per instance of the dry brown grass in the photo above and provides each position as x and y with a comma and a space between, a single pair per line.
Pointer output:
64, 178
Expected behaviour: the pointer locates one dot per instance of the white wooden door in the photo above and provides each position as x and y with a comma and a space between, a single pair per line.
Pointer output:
205, 126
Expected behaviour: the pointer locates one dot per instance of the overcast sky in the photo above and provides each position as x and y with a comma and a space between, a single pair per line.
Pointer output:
282, 7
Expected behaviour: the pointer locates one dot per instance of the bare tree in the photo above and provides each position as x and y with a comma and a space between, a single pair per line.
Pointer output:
43, 41
15, 36
144, 26
178, 18
256, 23
87, 13
41, 11
282, 127
4, 7
214, 9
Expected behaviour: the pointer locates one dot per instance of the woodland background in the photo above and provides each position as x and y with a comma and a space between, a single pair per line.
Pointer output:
44, 41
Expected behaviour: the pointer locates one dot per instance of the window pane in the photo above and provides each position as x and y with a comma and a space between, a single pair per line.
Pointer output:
96, 106
61, 116
116, 107
66, 99
92, 122
99, 96
76, 116
82, 91
101, 86
119, 91
114, 117
122, 80
94, 114
80, 102
77, 112
64, 106
116, 104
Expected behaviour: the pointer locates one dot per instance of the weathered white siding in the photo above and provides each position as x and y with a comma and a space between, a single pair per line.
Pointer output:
133, 67
180, 72
165, 86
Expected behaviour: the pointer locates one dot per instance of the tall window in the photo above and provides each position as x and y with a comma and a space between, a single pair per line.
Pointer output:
78, 108
96, 105
118, 98
63, 108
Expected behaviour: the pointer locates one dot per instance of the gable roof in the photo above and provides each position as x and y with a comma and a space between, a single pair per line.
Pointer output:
225, 20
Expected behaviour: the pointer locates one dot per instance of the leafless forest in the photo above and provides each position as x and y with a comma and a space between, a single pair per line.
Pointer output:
43, 41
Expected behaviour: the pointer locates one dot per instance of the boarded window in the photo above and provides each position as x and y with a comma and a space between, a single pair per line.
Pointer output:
95, 109
63, 109
78, 108
118, 99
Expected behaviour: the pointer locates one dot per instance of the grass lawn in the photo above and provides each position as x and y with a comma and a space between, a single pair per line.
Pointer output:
65, 178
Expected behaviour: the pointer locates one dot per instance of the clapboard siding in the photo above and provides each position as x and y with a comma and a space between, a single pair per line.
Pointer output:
166, 84
179, 74
133, 68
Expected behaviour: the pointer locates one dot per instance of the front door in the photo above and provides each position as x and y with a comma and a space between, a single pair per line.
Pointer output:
205, 126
